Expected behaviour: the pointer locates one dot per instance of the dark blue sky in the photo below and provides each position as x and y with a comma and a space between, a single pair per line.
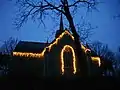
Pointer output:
108, 30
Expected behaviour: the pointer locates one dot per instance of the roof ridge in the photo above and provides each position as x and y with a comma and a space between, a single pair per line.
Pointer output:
33, 42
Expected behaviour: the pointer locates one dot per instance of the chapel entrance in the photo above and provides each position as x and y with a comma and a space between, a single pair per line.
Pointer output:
68, 61
68, 65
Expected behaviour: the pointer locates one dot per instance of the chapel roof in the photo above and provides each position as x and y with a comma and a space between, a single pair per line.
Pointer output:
26, 46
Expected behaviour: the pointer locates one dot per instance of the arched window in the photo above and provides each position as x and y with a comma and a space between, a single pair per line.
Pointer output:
68, 60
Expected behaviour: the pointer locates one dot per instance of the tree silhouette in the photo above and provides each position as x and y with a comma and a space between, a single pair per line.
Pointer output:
5, 54
118, 61
39, 9
8, 46
107, 57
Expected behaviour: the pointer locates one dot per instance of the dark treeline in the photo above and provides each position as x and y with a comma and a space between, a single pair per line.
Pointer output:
110, 61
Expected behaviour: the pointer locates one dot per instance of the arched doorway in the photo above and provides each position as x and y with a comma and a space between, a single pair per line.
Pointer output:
68, 60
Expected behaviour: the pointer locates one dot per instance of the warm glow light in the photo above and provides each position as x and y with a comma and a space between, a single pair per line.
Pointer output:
62, 59
56, 41
39, 55
87, 50
25, 54
83, 47
96, 59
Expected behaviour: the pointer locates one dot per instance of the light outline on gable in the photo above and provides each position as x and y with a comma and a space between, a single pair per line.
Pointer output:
39, 55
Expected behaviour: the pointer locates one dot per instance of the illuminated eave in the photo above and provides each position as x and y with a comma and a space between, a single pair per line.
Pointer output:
31, 55
39, 55
96, 59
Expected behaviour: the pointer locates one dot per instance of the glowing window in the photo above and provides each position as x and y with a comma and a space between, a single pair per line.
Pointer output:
68, 48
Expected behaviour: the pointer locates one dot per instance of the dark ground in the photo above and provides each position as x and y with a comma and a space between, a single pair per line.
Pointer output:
34, 83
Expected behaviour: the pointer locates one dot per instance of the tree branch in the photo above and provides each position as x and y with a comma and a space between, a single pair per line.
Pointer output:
57, 8
91, 3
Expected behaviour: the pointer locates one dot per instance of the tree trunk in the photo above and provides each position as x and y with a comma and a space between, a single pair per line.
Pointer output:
81, 56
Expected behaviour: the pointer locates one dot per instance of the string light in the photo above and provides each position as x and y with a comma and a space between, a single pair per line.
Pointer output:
25, 54
87, 50
96, 59
57, 39
41, 55
62, 59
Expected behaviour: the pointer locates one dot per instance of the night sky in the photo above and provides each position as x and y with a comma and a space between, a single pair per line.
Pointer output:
108, 30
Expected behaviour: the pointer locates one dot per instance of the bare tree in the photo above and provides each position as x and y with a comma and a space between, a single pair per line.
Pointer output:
5, 54
108, 61
117, 55
84, 30
102, 50
8, 46
40, 9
